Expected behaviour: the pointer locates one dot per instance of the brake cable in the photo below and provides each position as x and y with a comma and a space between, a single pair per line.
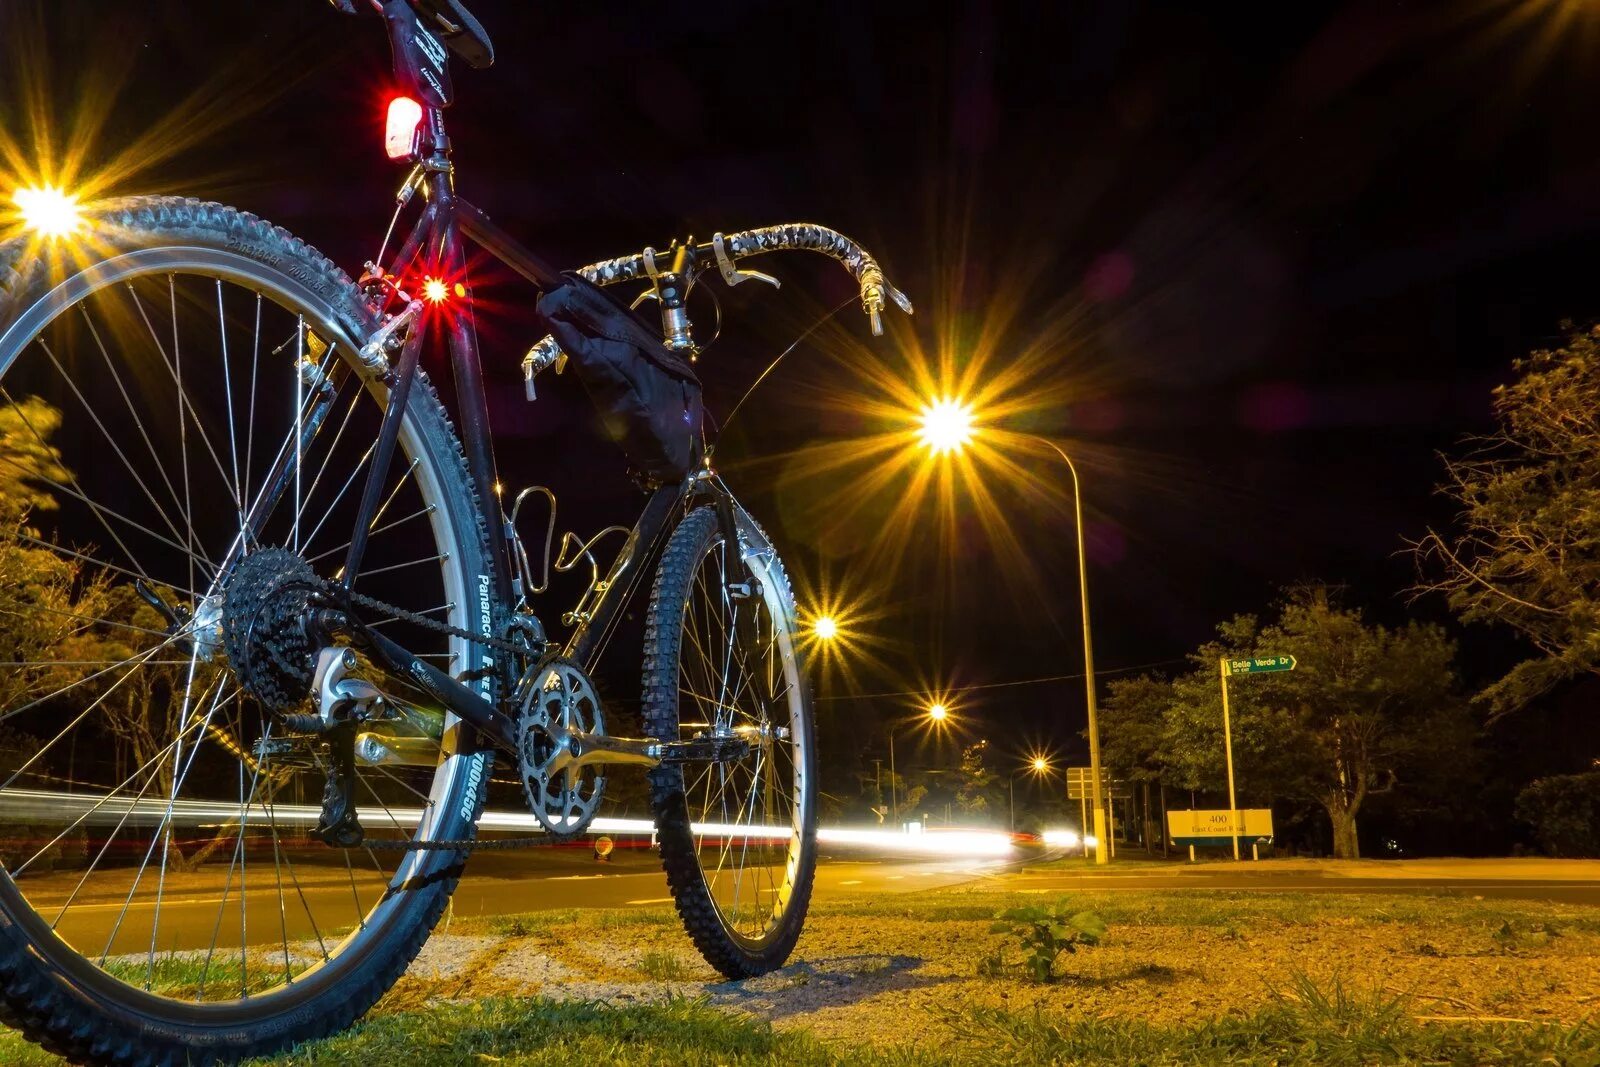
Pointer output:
809, 330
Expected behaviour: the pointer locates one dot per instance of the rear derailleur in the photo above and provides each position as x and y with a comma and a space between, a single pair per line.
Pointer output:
344, 705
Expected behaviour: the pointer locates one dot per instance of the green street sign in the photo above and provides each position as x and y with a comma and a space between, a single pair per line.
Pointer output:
1261, 666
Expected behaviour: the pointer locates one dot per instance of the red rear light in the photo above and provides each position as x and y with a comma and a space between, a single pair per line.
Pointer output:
400, 129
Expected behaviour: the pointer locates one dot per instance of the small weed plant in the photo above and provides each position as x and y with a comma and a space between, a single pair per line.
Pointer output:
664, 966
1042, 935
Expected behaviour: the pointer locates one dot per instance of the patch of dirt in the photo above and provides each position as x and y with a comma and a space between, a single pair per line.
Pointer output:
447, 957
893, 980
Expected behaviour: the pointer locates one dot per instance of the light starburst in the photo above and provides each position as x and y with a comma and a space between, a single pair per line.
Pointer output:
48, 211
947, 426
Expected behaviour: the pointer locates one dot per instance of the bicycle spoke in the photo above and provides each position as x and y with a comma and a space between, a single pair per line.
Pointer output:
227, 390
133, 412
174, 786
111, 440
333, 446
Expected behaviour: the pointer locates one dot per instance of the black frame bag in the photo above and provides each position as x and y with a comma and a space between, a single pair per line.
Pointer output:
648, 396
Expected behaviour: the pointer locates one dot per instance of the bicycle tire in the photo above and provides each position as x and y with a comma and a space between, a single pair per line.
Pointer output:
55, 996
735, 953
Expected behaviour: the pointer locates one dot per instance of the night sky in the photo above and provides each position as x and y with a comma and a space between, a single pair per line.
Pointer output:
1280, 254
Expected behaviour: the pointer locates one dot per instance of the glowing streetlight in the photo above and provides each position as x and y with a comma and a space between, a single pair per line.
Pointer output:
48, 211
936, 715
825, 628
1036, 765
947, 426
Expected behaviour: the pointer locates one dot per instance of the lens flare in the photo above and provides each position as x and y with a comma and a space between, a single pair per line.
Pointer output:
946, 426
48, 211
435, 291
938, 712
826, 628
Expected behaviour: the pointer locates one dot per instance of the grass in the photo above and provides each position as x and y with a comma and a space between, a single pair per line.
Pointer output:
188, 975
1337, 1019
1238, 911
664, 966
17, 1051
1332, 1025
529, 1033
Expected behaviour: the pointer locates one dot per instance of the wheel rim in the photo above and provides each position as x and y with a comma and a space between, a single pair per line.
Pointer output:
126, 921
739, 675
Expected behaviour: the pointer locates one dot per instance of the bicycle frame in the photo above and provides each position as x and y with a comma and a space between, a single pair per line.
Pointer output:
439, 237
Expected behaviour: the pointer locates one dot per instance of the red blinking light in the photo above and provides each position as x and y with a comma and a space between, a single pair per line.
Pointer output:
435, 291
400, 129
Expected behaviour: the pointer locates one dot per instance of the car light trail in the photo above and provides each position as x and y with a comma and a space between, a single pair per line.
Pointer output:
36, 806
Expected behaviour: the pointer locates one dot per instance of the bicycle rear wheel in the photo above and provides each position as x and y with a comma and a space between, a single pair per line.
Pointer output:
179, 390
737, 838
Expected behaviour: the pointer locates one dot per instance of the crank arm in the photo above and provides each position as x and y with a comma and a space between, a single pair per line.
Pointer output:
575, 748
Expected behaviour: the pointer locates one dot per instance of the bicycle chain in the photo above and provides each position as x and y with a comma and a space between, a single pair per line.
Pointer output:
336, 590
463, 844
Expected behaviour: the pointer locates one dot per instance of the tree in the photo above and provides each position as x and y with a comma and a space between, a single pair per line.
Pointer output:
1131, 723
1524, 554
1564, 811
48, 600
1366, 709
976, 781
1131, 718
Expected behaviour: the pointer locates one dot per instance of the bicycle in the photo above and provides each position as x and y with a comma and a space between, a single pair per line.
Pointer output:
269, 779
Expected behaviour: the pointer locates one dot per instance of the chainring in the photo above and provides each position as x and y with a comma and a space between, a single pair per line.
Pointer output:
555, 699
264, 609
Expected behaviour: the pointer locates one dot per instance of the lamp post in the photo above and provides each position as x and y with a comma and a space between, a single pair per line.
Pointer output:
936, 714
947, 426
1088, 655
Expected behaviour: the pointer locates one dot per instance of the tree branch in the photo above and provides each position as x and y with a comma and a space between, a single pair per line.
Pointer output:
1469, 573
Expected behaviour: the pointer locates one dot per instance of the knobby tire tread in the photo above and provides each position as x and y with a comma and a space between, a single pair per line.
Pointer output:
662, 640
34, 998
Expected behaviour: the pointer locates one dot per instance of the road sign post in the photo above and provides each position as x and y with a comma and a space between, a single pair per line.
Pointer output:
1080, 787
1227, 666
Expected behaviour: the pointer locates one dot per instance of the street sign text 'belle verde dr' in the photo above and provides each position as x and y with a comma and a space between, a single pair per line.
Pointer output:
1260, 666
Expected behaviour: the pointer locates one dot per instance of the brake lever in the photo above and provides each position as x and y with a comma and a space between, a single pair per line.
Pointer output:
733, 275
873, 299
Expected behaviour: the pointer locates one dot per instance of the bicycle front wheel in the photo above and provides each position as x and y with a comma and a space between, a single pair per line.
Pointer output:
737, 837
180, 392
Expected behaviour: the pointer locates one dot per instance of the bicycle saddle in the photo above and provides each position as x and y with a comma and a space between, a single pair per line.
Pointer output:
452, 23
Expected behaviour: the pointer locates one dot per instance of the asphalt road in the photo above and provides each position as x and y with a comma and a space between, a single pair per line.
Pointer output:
322, 898
102, 917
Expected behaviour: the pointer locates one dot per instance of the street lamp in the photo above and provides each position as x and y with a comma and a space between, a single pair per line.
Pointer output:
934, 715
825, 628
1036, 766
946, 425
